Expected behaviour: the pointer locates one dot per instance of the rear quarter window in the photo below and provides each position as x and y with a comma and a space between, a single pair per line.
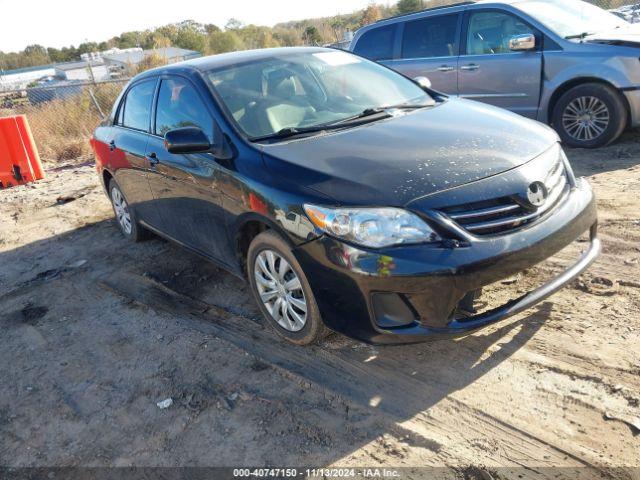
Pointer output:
137, 106
377, 43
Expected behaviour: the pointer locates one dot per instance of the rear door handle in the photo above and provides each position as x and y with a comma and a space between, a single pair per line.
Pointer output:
470, 67
112, 145
445, 68
152, 158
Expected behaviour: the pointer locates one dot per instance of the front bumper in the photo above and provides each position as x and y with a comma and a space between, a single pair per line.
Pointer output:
349, 282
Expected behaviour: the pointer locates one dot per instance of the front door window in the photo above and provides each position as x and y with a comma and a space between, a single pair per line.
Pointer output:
490, 32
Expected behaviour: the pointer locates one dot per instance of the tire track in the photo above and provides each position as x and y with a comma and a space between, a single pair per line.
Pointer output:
393, 393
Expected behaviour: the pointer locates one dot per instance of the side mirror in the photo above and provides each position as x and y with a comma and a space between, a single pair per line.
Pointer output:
424, 82
186, 140
522, 42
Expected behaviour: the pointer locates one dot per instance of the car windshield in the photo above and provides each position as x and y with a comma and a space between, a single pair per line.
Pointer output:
571, 18
305, 90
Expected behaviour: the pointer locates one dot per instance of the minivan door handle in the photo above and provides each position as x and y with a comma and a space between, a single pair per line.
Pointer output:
445, 68
470, 67
152, 158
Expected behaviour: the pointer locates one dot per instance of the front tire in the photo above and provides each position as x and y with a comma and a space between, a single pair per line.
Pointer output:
125, 217
282, 291
590, 115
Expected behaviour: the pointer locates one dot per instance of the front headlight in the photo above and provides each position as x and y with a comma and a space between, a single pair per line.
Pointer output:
371, 227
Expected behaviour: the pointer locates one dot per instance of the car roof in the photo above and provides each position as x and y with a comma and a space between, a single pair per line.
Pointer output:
211, 62
441, 10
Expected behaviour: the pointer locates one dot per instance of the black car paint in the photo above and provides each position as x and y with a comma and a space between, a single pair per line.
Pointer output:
390, 162
458, 150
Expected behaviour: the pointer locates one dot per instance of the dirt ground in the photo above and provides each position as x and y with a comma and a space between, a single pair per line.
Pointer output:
96, 331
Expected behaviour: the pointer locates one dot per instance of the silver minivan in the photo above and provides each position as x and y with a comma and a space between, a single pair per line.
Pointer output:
563, 62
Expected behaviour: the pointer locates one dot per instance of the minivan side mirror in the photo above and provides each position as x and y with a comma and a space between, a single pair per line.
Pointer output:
423, 82
186, 140
526, 41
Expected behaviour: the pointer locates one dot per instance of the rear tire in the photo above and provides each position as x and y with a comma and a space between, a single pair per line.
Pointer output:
125, 216
282, 291
590, 115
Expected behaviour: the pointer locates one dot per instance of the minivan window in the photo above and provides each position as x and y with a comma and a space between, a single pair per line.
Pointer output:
489, 32
377, 43
137, 106
179, 105
431, 37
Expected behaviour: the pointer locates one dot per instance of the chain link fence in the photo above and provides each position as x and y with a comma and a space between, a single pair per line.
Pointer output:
62, 116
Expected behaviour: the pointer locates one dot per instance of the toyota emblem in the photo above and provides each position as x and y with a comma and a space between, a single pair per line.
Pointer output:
537, 194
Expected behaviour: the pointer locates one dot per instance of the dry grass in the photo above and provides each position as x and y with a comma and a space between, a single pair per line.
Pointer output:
62, 127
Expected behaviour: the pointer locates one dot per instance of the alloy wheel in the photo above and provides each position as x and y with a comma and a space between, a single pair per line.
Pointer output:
585, 118
122, 210
280, 290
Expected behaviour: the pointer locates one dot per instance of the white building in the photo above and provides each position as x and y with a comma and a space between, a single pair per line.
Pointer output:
93, 70
20, 78
124, 60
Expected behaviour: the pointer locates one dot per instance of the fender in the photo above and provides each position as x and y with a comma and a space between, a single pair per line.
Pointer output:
558, 77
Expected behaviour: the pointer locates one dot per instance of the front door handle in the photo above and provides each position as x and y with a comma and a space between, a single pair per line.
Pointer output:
152, 158
470, 67
445, 68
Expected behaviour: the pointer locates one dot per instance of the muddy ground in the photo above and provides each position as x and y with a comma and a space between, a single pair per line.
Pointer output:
96, 331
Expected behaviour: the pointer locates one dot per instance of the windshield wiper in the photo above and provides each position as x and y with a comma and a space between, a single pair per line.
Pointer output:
355, 119
289, 132
578, 35
370, 112
295, 131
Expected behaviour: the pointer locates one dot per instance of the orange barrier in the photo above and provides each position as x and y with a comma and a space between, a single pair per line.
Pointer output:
19, 159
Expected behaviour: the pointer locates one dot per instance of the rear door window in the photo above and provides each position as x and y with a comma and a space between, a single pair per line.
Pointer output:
137, 106
179, 105
377, 44
431, 37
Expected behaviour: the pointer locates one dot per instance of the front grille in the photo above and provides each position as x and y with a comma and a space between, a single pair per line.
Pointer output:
505, 214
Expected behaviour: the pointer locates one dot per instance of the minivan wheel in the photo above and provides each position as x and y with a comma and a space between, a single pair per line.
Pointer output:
125, 217
589, 115
282, 291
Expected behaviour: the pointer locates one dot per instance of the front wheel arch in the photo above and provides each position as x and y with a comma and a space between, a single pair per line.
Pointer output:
600, 115
249, 226
574, 82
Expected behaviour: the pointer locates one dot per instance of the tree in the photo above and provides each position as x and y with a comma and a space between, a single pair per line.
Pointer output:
408, 6
229, 41
371, 14
311, 35
209, 28
160, 41
337, 25
128, 40
233, 24
191, 39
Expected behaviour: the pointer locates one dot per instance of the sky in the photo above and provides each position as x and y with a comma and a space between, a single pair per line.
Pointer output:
58, 23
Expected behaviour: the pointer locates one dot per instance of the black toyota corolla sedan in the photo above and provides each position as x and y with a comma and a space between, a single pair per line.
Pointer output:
351, 197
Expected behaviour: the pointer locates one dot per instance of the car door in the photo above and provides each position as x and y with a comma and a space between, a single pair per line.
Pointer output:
127, 146
186, 187
490, 72
429, 48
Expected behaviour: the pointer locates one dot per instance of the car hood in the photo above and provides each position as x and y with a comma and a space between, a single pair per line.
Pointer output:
396, 160
629, 36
